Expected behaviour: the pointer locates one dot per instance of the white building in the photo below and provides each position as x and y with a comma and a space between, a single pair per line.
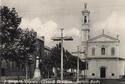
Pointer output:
102, 52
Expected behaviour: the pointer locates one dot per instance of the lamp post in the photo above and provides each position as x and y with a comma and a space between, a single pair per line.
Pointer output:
62, 38
78, 52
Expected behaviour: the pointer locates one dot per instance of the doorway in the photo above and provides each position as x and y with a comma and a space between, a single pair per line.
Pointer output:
3, 72
102, 72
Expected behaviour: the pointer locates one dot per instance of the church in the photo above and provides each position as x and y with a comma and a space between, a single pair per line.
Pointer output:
101, 52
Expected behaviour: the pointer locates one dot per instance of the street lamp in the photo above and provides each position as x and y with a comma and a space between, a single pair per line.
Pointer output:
78, 52
62, 38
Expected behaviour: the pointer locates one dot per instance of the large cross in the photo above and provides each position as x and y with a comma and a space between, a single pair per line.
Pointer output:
78, 52
62, 38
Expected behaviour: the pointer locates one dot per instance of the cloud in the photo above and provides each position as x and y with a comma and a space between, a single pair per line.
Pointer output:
48, 29
114, 23
0, 3
72, 32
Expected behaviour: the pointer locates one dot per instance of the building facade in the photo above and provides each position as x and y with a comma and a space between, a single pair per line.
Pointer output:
101, 52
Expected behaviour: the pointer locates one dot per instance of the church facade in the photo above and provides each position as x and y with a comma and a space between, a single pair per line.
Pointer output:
101, 52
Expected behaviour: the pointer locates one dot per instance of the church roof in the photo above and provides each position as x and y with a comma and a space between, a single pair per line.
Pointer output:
103, 38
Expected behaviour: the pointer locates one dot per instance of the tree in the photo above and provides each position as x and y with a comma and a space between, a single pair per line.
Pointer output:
69, 62
46, 66
9, 32
26, 47
15, 44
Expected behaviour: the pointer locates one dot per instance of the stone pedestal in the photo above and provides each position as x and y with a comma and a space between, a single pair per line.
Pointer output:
37, 75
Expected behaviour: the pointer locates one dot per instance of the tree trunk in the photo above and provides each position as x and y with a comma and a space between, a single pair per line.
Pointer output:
55, 72
26, 72
0, 67
8, 68
48, 74
18, 75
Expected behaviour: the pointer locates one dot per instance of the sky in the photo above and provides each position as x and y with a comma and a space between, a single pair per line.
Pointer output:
48, 16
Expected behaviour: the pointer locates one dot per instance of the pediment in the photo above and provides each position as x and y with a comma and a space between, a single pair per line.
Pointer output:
103, 38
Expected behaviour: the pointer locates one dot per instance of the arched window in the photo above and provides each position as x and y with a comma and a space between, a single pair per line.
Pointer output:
93, 51
113, 51
85, 19
103, 51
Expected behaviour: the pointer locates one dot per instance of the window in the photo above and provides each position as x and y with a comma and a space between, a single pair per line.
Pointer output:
85, 19
113, 74
93, 51
103, 51
113, 51
93, 74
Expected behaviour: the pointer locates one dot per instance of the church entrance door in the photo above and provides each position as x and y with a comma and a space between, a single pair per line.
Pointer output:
102, 72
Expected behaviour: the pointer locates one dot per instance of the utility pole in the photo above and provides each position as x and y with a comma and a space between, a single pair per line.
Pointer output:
62, 38
78, 52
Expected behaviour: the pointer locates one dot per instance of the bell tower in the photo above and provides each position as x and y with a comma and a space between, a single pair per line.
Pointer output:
85, 24
85, 29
